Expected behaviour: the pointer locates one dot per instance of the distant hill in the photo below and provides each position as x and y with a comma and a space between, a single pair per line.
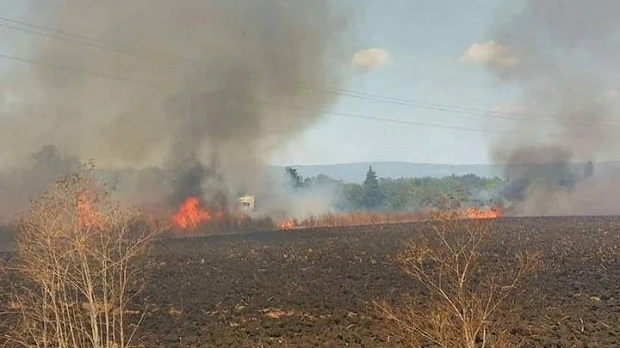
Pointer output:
356, 172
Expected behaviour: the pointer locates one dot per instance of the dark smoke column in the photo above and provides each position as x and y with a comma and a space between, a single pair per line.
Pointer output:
223, 132
562, 59
209, 66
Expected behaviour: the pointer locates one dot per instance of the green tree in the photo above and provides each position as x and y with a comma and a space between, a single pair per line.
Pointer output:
373, 196
353, 197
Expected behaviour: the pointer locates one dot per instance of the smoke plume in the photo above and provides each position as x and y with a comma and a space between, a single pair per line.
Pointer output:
207, 121
562, 58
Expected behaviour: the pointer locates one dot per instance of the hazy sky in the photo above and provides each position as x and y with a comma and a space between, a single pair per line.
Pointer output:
415, 49
424, 40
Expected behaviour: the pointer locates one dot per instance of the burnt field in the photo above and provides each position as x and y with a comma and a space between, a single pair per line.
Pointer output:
315, 287
312, 288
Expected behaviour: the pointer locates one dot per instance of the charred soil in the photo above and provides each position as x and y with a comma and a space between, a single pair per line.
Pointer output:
316, 287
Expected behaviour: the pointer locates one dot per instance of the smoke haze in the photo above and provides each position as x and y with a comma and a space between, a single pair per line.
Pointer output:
200, 123
562, 56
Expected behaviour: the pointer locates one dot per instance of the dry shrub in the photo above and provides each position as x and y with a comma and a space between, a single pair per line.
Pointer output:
464, 286
80, 258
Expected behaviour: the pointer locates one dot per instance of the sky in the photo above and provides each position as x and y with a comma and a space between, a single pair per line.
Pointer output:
414, 47
424, 40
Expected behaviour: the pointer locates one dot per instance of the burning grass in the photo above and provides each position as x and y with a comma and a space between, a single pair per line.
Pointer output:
192, 215
375, 218
194, 219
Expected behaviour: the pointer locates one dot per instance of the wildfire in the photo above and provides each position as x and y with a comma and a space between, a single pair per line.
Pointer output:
286, 225
88, 216
190, 215
474, 213
371, 218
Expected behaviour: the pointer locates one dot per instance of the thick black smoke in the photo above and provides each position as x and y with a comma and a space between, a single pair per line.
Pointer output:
199, 100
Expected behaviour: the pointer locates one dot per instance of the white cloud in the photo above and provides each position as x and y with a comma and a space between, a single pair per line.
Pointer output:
373, 58
491, 53
613, 94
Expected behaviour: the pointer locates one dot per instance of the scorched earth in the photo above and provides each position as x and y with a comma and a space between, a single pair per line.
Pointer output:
315, 287
312, 288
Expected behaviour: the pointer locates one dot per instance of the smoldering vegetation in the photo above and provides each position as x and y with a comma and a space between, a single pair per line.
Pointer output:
562, 59
172, 99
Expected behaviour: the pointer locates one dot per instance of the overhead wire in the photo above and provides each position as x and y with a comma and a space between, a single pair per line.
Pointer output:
263, 102
122, 49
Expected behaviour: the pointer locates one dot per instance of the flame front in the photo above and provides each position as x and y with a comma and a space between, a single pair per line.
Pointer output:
287, 225
190, 215
474, 213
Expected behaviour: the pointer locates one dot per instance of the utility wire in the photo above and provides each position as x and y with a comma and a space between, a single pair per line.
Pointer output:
122, 49
294, 107
83, 71
414, 123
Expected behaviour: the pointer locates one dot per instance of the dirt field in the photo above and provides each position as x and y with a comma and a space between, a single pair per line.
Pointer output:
313, 288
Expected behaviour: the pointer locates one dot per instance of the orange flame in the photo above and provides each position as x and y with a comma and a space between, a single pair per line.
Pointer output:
287, 225
475, 213
190, 215
88, 216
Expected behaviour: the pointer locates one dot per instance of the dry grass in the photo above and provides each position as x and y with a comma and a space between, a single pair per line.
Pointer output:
462, 294
80, 258
362, 218
354, 219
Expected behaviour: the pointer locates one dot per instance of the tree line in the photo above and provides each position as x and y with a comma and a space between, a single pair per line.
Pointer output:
377, 193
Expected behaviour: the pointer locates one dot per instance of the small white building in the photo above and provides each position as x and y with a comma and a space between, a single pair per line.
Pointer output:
247, 203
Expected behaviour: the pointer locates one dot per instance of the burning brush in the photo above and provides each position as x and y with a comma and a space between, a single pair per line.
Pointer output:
192, 217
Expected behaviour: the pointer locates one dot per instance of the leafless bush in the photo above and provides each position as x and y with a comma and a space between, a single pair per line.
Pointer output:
79, 260
464, 286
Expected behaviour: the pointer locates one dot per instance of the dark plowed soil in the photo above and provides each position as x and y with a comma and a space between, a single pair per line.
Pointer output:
314, 288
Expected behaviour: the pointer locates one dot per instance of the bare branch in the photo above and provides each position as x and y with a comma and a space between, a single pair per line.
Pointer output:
451, 262
77, 254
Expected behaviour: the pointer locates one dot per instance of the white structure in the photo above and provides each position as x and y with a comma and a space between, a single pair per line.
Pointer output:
247, 203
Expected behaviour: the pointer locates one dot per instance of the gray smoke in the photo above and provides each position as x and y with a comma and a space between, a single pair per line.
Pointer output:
33, 176
562, 56
203, 123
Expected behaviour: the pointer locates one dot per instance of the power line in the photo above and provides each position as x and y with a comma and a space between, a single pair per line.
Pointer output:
82, 71
414, 123
294, 107
122, 49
